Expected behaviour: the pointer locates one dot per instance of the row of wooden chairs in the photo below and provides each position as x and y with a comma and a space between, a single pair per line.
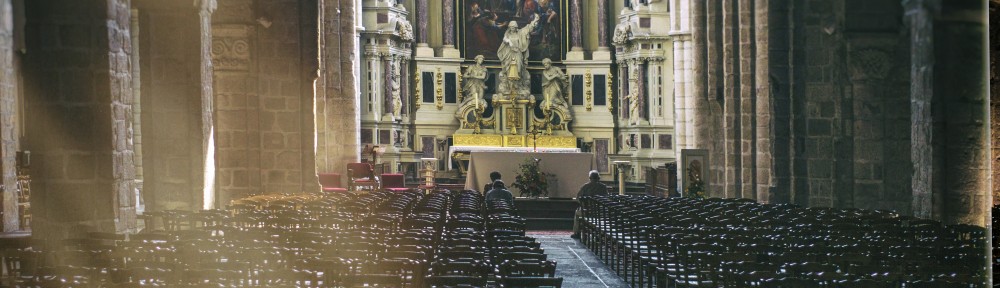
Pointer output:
392, 239
685, 242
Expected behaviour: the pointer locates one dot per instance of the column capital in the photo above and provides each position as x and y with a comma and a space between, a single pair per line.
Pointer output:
206, 6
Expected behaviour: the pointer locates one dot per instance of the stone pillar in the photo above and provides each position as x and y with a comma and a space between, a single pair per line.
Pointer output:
698, 73
421, 15
748, 98
205, 9
338, 111
8, 113
602, 24
575, 24
948, 102
924, 154
730, 90
448, 23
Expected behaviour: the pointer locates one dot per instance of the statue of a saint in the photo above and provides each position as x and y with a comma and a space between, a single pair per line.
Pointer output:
397, 101
513, 54
553, 82
633, 104
474, 81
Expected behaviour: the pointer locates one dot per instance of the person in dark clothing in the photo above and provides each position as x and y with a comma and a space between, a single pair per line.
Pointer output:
592, 188
494, 176
500, 192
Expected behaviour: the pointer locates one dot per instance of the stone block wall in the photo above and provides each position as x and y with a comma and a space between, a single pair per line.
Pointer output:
8, 114
77, 90
265, 63
169, 59
995, 98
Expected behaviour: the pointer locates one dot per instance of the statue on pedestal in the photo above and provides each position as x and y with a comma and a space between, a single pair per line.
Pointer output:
474, 81
633, 104
513, 54
553, 83
397, 101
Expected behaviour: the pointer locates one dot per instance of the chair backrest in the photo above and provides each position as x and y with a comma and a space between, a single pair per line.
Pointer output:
360, 170
392, 181
330, 180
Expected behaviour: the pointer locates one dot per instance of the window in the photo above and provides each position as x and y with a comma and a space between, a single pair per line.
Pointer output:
659, 91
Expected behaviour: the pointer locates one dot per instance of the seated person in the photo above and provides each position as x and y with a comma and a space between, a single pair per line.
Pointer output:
500, 192
494, 176
592, 188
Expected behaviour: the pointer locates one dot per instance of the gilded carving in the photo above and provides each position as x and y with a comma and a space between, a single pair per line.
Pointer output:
588, 83
439, 89
610, 96
416, 85
488, 140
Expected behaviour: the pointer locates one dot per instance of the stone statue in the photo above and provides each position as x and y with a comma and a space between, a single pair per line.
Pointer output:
633, 104
622, 33
513, 54
474, 80
397, 101
405, 30
553, 82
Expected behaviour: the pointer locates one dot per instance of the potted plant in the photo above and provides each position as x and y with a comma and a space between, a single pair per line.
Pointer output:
530, 180
697, 187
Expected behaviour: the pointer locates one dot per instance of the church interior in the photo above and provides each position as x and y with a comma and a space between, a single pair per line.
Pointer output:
499, 143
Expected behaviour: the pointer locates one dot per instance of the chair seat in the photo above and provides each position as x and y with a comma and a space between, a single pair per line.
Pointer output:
334, 189
397, 190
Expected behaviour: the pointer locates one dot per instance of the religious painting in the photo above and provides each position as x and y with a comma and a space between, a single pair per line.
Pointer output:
485, 22
694, 171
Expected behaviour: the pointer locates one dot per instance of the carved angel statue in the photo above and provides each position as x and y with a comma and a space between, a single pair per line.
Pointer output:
622, 32
397, 101
405, 30
553, 83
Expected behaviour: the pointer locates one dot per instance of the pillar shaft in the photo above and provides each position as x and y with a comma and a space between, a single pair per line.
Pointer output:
575, 24
448, 23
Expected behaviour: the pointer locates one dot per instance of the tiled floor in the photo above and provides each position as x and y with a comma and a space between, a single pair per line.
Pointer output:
577, 265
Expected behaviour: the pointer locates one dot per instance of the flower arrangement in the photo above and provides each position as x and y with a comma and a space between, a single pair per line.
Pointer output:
696, 189
530, 180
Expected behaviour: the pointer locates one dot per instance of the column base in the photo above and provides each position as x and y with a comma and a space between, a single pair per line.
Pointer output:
574, 55
602, 53
449, 51
424, 51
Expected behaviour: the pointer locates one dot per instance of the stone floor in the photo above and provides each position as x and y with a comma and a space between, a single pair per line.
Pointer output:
577, 265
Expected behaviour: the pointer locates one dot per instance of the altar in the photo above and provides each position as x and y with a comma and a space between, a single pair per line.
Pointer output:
570, 170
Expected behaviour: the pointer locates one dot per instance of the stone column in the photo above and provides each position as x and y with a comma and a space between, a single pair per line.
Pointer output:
8, 109
575, 23
948, 102
448, 23
926, 179
602, 25
205, 9
338, 142
421, 15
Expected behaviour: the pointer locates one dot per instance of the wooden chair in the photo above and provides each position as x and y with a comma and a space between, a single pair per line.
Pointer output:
362, 175
330, 182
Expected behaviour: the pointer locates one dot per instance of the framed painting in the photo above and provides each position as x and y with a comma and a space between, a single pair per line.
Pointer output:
484, 22
694, 170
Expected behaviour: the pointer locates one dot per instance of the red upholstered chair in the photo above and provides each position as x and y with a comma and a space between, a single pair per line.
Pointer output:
393, 183
362, 175
331, 182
